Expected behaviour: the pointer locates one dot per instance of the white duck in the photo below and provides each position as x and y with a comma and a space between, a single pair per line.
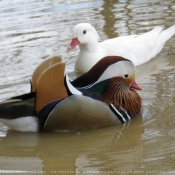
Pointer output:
137, 48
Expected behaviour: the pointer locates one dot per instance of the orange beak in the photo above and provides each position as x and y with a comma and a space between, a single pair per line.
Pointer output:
74, 43
134, 85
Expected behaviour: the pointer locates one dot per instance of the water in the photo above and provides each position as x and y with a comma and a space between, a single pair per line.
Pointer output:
34, 30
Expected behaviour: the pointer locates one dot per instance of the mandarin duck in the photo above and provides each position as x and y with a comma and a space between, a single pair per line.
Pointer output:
104, 96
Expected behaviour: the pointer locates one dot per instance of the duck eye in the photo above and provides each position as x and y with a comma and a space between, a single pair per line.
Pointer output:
84, 31
126, 75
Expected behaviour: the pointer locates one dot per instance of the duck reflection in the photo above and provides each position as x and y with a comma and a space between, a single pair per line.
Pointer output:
98, 149
18, 153
123, 17
124, 151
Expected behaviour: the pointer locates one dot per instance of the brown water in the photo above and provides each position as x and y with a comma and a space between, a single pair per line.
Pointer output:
33, 30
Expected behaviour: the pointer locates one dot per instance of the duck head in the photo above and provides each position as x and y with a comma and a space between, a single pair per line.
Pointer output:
113, 78
83, 33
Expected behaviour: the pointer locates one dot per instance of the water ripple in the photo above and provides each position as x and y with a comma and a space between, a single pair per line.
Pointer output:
34, 30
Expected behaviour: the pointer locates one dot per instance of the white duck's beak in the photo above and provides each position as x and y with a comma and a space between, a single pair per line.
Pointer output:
73, 43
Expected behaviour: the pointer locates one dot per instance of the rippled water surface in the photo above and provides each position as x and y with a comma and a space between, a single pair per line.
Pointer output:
34, 30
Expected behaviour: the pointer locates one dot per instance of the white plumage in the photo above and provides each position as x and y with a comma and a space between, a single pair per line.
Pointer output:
137, 48
23, 124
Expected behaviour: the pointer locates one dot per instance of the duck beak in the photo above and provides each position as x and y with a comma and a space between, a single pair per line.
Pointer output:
134, 85
74, 43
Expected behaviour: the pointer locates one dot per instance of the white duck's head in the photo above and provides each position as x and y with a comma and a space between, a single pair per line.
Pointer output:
83, 33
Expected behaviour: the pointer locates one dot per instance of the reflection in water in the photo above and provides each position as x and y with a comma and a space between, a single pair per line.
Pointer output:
98, 150
159, 121
17, 153
25, 165
135, 17
35, 30
123, 152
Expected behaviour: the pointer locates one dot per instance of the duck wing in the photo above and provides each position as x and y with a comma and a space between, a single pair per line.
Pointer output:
79, 112
137, 48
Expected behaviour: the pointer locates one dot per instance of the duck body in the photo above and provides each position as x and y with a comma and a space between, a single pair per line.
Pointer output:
79, 112
137, 48
57, 104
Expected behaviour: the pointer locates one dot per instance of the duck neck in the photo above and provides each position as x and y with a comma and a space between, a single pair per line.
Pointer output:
122, 97
99, 87
91, 46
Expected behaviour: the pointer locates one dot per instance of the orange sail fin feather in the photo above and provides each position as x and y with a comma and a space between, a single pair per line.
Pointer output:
50, 86
41, 68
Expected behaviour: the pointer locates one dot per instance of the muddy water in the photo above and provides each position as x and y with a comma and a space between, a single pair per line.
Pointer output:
34, 30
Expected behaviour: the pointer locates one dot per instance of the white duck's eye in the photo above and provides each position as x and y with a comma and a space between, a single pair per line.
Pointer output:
126, 76
84, 31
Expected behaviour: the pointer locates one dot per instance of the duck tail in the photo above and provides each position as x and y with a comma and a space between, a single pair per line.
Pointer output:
167, 34
163, 37
23, 124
